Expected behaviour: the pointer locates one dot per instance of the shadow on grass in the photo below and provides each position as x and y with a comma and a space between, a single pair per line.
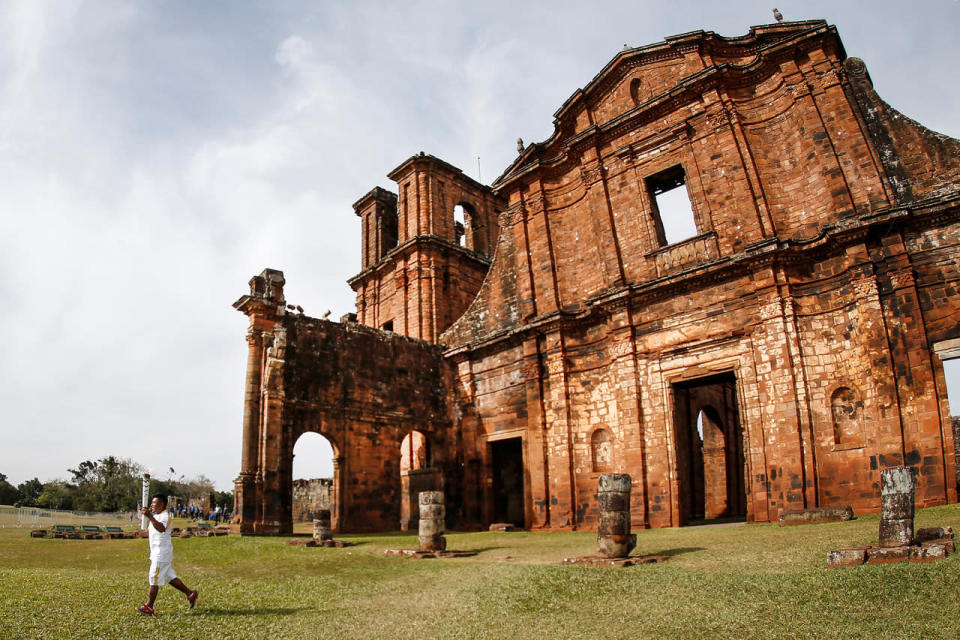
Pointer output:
717, 521
248, 611
677, 551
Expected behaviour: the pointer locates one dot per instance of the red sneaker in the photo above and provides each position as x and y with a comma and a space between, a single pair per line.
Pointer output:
146, 609
192, 598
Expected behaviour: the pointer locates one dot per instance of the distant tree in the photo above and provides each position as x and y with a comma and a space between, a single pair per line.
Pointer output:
85, 472
109, 484
8, 492
29, 491
57, 494
197, 487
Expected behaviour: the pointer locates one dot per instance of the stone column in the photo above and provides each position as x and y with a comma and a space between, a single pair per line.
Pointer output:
251, 406
321, 526
432, 516
614, 539
897, 502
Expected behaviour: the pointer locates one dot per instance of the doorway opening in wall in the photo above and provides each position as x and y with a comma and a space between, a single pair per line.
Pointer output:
711, 474
506, 459
313, 481
951, 374
417, 473
672, 210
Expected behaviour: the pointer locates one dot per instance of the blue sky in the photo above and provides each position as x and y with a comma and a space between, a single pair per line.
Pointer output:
156, 154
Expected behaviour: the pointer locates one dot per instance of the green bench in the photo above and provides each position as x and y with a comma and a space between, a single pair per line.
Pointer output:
116, 533
66, 531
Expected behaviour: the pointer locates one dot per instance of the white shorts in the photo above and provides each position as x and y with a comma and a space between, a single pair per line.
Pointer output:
161, 573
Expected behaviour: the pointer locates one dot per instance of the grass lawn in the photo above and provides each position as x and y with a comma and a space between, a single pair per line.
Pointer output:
737, 581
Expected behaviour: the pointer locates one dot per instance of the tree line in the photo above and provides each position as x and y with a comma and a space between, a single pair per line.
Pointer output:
108, 484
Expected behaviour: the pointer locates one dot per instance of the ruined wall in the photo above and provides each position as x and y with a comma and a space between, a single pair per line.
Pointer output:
362, 389
310, 496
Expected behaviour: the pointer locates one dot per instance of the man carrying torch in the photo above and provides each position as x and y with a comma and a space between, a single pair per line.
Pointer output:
161, 552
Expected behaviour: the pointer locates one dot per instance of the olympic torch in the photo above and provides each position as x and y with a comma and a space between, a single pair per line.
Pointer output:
146, 499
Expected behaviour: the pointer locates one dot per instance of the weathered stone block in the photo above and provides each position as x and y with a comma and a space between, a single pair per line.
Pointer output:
927, 552
613, 522
613, 501
897, 480
432, 543
896, 506
815, 516
430, 497
619, 482
847, 557
321, 526
896, 533
616, 546
432, 512
934, 533
430, 527
884, 555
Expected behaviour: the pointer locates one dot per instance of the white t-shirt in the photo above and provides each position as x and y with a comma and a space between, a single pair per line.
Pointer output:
161, 545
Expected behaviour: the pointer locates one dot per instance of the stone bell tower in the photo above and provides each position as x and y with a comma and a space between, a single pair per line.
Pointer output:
425, 251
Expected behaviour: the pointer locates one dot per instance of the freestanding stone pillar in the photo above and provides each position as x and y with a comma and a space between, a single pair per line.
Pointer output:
432, 518
321, 526
896, 504
614, 539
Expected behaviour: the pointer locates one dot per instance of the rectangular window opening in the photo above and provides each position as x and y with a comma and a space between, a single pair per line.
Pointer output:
951, 372
388, 230
673, 211
387, 326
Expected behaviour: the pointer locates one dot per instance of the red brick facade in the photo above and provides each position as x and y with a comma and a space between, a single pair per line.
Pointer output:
777, 358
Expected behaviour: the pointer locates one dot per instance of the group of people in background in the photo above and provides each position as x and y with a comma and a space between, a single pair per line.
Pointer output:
194, 512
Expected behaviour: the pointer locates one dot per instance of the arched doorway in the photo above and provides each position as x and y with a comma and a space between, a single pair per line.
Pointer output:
417, 474
314, 479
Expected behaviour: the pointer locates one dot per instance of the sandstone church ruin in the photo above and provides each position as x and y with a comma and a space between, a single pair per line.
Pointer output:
511, 342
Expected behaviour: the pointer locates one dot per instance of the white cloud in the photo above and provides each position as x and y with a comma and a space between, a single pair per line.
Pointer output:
294, 52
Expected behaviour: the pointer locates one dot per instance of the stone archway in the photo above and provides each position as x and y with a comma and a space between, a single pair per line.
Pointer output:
314, 476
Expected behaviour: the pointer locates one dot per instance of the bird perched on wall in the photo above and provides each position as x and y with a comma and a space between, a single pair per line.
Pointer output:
519, 145
777, 15
299, 309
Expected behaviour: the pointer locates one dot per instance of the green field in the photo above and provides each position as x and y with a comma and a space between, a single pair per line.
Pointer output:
736, 581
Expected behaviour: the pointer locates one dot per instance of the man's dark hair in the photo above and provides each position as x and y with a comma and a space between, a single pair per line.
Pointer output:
162, 497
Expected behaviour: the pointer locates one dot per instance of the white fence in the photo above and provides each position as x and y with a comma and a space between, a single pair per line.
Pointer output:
36, 518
